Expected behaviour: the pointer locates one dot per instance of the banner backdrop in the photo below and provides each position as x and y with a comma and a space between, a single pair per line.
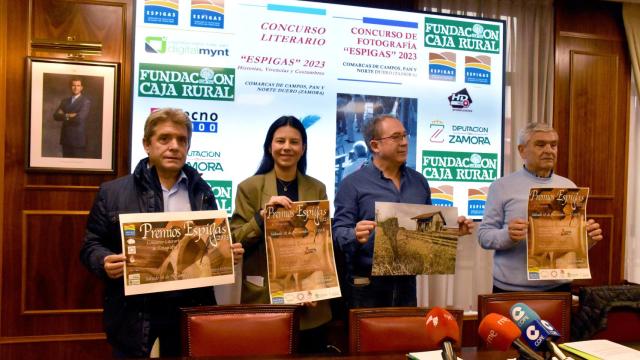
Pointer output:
236, 66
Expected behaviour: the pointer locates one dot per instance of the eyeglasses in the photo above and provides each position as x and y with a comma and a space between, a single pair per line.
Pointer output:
396, 138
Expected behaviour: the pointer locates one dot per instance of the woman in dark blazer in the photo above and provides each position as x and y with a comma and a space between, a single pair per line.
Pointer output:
280, 180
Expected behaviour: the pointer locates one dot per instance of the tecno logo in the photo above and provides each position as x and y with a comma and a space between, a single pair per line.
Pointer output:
202, 121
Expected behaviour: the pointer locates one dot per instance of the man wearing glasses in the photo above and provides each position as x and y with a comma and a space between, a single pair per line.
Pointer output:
387, 179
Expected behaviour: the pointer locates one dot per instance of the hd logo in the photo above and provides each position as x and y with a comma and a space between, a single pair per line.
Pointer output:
223, 191
460, 101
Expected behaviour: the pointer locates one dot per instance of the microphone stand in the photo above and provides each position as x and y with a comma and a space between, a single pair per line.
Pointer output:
447, 351
554, 352
524, 352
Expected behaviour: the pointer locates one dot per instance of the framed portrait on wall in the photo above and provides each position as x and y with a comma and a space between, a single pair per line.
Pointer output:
71, 115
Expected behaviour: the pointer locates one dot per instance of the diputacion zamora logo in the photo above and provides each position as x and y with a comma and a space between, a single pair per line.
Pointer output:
437, 131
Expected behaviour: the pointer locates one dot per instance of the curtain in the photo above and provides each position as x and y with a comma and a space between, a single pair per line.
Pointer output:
529, 98
631, 17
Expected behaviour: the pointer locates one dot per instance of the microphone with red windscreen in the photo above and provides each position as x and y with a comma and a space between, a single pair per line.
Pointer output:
443, 331
500, 333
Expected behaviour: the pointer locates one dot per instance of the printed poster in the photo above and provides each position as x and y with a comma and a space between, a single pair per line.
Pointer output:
175, 251
557, 245
413, 239
300, 257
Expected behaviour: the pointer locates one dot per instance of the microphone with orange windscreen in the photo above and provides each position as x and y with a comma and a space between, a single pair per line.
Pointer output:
443, 331
500, 333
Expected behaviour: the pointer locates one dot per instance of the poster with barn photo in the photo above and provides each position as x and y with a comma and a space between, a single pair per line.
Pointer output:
414, 239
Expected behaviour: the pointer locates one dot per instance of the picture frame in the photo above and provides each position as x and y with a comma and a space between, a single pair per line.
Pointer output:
71, 121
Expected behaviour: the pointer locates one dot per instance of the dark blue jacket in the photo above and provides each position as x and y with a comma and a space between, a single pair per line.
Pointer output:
73, 131
127, 320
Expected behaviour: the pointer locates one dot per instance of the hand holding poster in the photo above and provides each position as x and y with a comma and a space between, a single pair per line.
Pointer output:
412, 239
300, 253
557, 246
175, 251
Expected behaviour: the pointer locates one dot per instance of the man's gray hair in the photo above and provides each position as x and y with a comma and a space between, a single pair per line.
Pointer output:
525, 134
371, 130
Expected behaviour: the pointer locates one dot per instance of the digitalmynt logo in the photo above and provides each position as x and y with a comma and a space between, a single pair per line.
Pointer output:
155, 44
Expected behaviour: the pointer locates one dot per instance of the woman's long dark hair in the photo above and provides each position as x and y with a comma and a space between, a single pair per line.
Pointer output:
267, 164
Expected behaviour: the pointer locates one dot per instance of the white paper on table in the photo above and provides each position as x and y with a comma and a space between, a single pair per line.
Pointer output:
603, 349
427, 355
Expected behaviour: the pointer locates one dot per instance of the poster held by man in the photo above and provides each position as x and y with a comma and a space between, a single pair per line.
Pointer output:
557, 243
176, 250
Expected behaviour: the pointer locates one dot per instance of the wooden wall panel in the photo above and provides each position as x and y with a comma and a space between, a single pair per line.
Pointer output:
51, 305
591, 102
46, 349
48, 257
592, 117
83, 21
601, 255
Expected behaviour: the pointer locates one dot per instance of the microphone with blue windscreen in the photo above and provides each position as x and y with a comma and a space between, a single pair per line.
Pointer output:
539, 334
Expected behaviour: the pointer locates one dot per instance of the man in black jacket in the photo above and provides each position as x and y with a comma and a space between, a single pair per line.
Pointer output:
161, 182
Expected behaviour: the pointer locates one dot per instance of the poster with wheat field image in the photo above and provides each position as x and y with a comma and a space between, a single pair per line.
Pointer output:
412, 239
